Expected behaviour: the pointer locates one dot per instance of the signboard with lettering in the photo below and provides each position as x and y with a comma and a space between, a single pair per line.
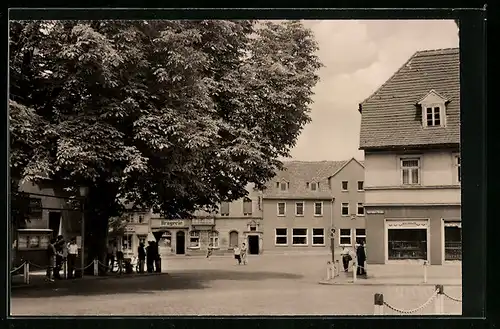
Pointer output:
376, 211
202, 221
167, 223
129, 229
407, 224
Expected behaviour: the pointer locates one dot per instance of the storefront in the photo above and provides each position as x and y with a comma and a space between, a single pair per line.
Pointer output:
407, 239
452, 237
171, 235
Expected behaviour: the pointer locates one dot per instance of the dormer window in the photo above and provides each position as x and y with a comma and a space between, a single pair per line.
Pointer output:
283, 186
433, 110
314, 186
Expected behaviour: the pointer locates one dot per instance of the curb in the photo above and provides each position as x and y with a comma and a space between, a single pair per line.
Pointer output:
395, 284
55, 284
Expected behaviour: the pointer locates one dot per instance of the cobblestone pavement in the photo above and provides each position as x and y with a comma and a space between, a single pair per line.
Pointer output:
268, 285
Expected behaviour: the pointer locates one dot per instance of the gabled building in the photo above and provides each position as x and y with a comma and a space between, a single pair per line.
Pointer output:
303, 201
410, 134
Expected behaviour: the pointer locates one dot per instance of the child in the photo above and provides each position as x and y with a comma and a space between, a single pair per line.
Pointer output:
237, 254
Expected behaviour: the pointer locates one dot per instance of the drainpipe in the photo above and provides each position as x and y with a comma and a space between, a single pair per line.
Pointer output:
332, 233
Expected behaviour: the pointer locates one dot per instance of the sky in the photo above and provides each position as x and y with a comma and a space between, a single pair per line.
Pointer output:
359, 56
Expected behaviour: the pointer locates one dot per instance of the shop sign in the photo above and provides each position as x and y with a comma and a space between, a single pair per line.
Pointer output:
129, 229
172, 223
374, 212
202, 221
407, 224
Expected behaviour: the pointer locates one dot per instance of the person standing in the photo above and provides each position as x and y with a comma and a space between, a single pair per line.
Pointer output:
149, 257
157, 259
244, 253
361, 257
51, 259
346, 258
72, 255
141, 253
237, 254
59, 246
110, 258
209, 251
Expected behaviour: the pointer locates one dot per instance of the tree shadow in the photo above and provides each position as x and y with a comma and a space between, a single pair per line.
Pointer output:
185, 280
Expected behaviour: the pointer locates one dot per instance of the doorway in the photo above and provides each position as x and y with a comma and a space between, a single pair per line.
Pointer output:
253, 244
54, 223
180, 243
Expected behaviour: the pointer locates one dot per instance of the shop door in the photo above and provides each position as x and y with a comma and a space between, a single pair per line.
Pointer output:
253, 244
180, 243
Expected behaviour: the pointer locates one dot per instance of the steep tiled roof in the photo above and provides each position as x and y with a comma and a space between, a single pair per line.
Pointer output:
390, 116
297, 174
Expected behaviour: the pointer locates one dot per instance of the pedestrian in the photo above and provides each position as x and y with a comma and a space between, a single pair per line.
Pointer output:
72, 255
361, 257
59, 246
244, 253
346, 258
51, 259
110, 259
209, 251
157, 259
149, 257
141, 253
237, 254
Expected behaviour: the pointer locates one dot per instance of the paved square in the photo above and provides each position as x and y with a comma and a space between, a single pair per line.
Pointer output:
268, 285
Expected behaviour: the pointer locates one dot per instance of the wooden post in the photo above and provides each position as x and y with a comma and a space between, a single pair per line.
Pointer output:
354, 271
27, 273
96, 267
439, 304
425, 271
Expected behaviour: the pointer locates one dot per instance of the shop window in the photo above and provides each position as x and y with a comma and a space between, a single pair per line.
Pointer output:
127, 242
166, 239
194, 239
299, 236
407, 244
452, 241
318, 236
213, 239
281, 237
33, 240
345, 237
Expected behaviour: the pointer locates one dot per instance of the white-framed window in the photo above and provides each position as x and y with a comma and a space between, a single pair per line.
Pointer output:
345, 185
433, 116
166, 239
458, 168
194, 239
299, 236
299, 208
410, 171
318, 236
360, 209
224, 208
345, 237
127, 242
314, 186
361, 185
360, 235
283, 186
281, 237
281, 209
344, 209
318, 209
213, 239
247, 206
140, 218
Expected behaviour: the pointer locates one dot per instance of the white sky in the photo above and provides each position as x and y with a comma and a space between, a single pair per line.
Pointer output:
359, 56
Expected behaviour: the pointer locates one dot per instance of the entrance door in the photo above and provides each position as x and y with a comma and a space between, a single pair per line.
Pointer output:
253, 244
54, 222
180, 243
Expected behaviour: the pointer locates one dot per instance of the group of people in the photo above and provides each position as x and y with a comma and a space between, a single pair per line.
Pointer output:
360, 257
240, 254
58, 252
149, 255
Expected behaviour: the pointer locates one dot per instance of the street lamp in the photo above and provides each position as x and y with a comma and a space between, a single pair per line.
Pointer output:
83, 193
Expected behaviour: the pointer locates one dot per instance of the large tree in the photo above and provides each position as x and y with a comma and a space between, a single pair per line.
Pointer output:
171, 115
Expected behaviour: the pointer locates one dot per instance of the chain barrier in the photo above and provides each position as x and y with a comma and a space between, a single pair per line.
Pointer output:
18, 268
46, 267
458, 300
424, 305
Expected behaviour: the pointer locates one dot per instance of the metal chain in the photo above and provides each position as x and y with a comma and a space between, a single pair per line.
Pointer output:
453, 298
434, 295
86, 267
17, 269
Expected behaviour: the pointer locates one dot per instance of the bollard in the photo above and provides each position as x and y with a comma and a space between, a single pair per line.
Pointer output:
27, 273
328, 269
24, 272
337, 267
439, 304
354, 271
378, 304
425, 271
96, 267
65, 269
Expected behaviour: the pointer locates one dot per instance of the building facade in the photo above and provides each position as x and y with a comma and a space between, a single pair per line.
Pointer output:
305, 200
410, 134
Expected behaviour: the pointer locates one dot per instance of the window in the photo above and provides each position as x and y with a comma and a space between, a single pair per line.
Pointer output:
281, 237
140, 219
166, 239
433, 116
299, 208
247, 206
360, 235
361, 209
259, 201
224, 209
318, 236
345, 236
194, 239
284, 186
233, 239
35, 208
213, 239
459, 169
361, 186
345, 185
344, 209
314, 186
33, 240
410, 171
299, 236
127, 242
281, 208
318, 209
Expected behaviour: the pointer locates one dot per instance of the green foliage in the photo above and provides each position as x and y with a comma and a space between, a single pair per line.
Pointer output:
171, 115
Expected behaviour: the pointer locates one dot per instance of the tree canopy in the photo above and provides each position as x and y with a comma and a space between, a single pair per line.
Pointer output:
176, 116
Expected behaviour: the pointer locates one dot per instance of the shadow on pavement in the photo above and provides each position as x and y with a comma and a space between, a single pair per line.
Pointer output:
184, 280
